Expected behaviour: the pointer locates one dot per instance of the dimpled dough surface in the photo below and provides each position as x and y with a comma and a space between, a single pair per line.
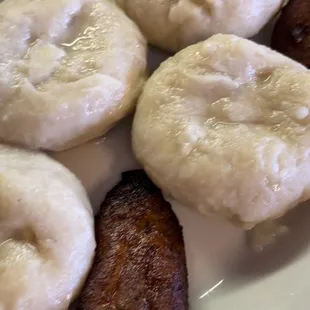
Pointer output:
223, 127
69, 70
46, 232
175, 24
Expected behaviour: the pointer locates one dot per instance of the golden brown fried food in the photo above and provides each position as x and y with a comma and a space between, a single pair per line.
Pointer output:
291, 35
140, 259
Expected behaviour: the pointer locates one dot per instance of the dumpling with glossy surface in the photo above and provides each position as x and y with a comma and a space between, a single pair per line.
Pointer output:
70, 69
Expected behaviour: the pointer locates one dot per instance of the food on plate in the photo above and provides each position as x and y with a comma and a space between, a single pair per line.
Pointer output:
223, 127
173, 25
291, 34
140, 259
266, 234
46, 232
70, 69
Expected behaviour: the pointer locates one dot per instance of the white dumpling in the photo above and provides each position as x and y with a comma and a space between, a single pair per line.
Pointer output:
175, 24
70, 69
46, 232
224, 127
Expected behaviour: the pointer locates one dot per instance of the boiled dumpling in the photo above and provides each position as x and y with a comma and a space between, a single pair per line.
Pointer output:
47, 238
70, 69
223, 127
173, 25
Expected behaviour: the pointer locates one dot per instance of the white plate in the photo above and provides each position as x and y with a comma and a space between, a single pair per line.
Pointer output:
223, 273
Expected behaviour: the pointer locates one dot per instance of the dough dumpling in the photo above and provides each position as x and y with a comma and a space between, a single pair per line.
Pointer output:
70, 69
46, 232
223, 127
173, 25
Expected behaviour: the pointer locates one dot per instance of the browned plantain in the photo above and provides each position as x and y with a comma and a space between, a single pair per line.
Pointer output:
140, 259
291, 34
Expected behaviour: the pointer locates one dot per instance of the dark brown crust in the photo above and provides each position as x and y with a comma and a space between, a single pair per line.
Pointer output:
291, 34
140, 259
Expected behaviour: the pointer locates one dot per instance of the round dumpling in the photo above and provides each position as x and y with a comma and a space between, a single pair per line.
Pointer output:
70, 69
46, 232
175, 24
223, 127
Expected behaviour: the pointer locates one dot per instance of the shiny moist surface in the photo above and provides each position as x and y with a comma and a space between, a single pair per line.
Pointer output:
69, 69
140, 259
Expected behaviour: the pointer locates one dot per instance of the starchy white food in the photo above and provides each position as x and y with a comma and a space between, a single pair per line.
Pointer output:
175, 24
46, 232
69, 70
224, 127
